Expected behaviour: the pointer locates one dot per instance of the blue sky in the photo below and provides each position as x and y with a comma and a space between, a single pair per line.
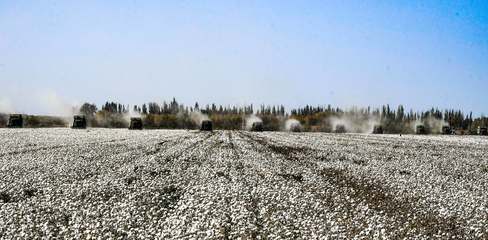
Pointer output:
417, 53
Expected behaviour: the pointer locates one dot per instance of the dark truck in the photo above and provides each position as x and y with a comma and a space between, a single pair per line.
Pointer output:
257, 127
483, 131
420, 129
446, 130
340, 129
296, 127
378, 129
135, 123
15, 121
206, 125
79, 122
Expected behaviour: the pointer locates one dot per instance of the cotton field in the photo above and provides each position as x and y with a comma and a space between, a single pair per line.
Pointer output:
179, 184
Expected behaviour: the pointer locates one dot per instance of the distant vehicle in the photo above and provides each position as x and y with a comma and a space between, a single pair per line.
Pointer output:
296, 128
206, 125
257, 127
483, 131
378, 129
15, 121
340, 129
420, 129
135, 124
446, 130
79, 122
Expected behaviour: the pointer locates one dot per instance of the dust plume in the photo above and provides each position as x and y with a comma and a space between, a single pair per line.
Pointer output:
433, 125
6, 106
355, 125
198, 117
292, 124
436, 125
131, 114
250, 120
54, 104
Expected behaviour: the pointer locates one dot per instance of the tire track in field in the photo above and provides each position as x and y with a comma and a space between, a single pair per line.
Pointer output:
168, 154
164, 152
211, 164
142, 152
377, 197
240, 188
253, 203
227, 225
275, 163
193, 169
191, 148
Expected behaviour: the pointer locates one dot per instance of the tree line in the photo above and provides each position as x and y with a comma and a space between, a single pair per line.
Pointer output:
173, 115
